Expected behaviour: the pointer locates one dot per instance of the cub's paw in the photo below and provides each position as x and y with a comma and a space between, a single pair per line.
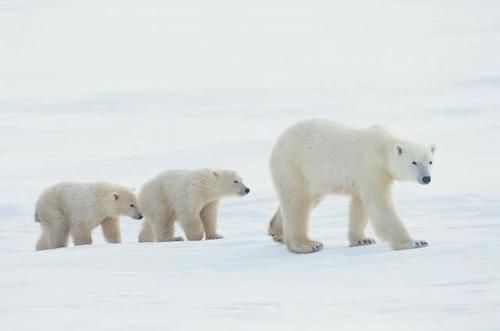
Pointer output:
306, 247
215, 236
178, 239
410, 244
363, 242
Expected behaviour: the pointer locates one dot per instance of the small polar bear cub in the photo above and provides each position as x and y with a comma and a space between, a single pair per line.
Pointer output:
75, 209
318, 157
190, 197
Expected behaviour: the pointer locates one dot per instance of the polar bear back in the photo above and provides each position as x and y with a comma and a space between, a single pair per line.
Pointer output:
173, 188
68, 197
77, 201
328, 157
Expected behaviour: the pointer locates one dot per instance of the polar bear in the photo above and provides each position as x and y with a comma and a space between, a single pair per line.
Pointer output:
190, 197
317, 157
75, 209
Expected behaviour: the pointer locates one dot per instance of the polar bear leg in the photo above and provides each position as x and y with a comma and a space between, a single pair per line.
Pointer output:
81, 234
111, 230
192, 226
162, 228
55, 229
42, 243
296, 209
59, 236
55, 235
357, 223
275, 228
208, 216
44, 240
386, 222
146, 234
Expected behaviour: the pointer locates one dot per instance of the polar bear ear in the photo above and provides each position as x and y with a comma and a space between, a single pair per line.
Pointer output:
398, 149
432, 148
116, 196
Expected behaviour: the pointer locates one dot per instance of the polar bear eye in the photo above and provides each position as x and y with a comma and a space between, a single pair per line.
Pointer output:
430, 162
414, 163
132, 205
235, 181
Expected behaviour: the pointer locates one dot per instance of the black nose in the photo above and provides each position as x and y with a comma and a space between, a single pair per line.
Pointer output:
140, 217
426, 179
247, 190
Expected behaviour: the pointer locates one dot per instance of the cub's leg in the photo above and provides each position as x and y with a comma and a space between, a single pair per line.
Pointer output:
159, 227
192, 225
208, 217
43, 241
111, 230
81, 234
170, 221
55, 230
358, 219
146, 234
59, 235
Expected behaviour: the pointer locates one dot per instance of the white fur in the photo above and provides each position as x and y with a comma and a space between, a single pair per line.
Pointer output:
190, 197
318, 157
77, 208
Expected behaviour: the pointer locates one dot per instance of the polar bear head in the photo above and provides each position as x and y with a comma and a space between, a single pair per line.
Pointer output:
124, 202
411, 162
229, 183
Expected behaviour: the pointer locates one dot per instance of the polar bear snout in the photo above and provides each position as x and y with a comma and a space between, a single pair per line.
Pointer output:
244, 191
134, 212
425, 180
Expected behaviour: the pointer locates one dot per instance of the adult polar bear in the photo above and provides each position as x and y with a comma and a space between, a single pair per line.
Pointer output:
316, 157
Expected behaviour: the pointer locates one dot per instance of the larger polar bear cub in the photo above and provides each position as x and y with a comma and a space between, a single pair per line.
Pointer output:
190, 197
318, 157
75, 209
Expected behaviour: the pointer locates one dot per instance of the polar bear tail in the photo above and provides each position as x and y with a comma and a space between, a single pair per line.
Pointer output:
275, 228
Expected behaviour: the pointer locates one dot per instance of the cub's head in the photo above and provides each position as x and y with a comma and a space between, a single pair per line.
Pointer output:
230, 183
411, 162
125, 203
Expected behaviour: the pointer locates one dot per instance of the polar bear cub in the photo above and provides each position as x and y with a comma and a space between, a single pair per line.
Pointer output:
190, 197
316, 157
75, 209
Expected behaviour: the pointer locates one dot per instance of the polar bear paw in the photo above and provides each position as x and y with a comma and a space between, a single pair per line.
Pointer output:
278, 238
419, 243
411, 244
178, 239
215, 236
363, 242
306, 247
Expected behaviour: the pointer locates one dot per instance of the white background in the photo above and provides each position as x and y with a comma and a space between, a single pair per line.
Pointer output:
120, 90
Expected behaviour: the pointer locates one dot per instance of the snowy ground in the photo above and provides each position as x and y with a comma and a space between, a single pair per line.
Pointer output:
120, 90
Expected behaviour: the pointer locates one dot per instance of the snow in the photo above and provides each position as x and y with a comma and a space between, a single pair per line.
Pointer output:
120, 90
